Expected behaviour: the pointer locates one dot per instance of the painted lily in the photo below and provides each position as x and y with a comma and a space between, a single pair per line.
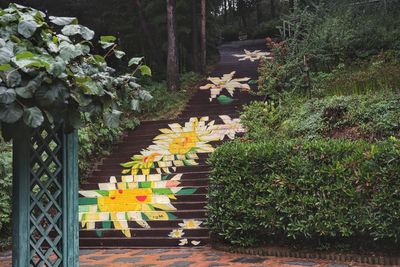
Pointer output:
190, 224
253, 55
176, 233
225, 82
230, 127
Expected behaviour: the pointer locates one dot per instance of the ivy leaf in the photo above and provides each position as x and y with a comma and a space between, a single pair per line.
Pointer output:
145, 70
7, 96
10, 113
5, 55
89, 86
87, 33
145, 95
119, 54
30, 88
12, 78
108, 39
70, 30
111, 119
4, 67
51, 95
135, 61
27, 27
33, 117
135, 105
62, 21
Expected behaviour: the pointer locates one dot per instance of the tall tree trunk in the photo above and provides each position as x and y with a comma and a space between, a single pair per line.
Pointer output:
225, 11
291, 4
272, 8
203, 35
259, 11
172, 61
195, 37
146, 32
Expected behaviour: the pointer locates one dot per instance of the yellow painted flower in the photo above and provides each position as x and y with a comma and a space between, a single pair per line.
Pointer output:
144, 201
140, 164
190, 224
179, 140
252, 55
225, 82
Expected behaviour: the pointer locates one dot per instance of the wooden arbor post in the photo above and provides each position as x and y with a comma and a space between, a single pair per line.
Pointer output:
45, 197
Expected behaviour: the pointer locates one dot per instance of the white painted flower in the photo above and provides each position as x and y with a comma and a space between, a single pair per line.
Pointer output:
230, 127
176, 233
253, 55
225, 82
190, 224
195, 243
183, 242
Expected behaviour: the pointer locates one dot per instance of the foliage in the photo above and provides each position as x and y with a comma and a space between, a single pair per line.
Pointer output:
326, 36
369, 117
5, 189
49, 73
313, 193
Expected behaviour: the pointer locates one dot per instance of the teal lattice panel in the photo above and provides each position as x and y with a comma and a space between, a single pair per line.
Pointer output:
46, 196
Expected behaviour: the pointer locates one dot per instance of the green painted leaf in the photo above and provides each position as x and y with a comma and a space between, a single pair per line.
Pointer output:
186, 191
162, 191
87, 201
99, 233
10, 113
106, 224
7, 96
135, 61
171, 216
33, 117
127, 164
104, 193
27, 27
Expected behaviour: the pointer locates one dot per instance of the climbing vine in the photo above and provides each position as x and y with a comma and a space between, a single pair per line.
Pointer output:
48, 71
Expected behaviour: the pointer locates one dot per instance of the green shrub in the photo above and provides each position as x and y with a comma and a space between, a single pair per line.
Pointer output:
314, 193
370, 117
5, 189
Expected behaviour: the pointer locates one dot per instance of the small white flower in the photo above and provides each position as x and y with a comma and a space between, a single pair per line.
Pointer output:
195, 243
176, 233
183, 242
190, 224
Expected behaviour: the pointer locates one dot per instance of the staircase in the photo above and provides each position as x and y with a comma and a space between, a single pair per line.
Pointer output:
157, 198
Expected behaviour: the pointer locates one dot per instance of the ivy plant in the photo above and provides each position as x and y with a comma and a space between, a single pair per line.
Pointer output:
48, 71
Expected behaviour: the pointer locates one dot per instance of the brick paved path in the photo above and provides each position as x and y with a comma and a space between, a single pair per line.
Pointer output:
191, 257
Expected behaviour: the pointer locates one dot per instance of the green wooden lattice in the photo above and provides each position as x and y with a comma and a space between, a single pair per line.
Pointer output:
45, 198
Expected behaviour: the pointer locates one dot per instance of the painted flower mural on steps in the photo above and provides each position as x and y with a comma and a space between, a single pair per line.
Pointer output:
225, 82
253, 55
146, 189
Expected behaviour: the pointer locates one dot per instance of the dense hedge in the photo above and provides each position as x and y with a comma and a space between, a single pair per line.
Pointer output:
5, 189
320, 191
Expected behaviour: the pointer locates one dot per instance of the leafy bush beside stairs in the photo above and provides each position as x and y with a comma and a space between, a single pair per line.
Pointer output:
319, 193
